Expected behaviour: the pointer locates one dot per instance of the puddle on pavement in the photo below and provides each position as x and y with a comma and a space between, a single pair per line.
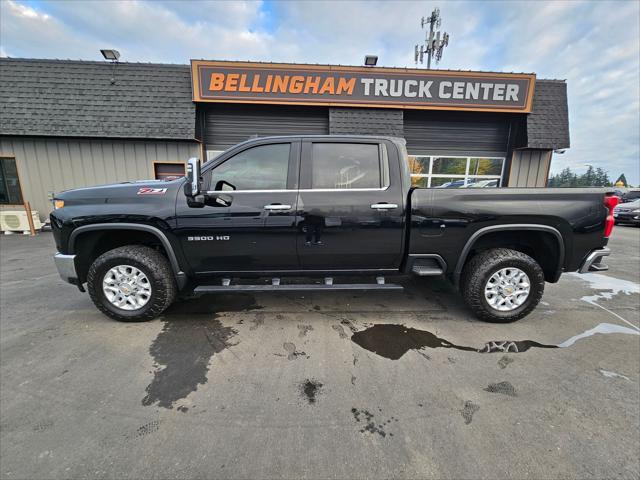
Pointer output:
183, 349
310, 390
392, 341
602, 328
369, 424
608, 286
608, 374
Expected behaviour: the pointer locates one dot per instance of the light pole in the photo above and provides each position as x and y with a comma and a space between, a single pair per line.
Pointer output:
112, 56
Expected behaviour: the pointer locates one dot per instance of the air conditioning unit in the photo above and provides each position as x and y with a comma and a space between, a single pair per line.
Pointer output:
17, 221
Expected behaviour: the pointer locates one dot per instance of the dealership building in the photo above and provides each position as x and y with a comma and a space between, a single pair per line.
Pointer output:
67, 124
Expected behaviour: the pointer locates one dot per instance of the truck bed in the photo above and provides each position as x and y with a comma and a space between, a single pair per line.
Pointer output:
444, 220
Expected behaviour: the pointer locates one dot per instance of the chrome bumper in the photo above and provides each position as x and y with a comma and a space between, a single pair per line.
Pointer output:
66, 266
592, 262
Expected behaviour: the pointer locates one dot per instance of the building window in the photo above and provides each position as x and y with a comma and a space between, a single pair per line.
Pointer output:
10, 191
168, 171
430, 171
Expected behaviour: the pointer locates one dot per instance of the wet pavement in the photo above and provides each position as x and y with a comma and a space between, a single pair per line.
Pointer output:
322, 385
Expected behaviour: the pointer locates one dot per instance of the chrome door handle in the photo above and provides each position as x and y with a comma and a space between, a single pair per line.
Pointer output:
277, 206
384, 206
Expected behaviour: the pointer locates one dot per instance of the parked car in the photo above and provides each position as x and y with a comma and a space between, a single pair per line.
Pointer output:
454, 184
321, 207
628, 212
631, 195
484, 184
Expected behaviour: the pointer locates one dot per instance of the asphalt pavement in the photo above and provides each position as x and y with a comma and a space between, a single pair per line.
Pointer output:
323, 385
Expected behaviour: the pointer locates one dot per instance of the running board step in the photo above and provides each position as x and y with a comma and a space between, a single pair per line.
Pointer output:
426, 270
296, 288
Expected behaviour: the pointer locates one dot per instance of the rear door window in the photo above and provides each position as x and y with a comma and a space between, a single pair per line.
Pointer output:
342, 166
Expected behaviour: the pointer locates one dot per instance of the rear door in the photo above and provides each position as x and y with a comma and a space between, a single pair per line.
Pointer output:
248, 223
350, 205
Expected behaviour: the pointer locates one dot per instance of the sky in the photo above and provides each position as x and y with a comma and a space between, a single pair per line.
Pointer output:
593, 45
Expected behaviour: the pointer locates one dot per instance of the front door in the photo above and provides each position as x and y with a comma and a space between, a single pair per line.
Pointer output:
248, 222
350, 206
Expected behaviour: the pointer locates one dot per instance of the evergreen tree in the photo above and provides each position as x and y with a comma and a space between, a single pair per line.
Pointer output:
602, 178
591, 178
588, 179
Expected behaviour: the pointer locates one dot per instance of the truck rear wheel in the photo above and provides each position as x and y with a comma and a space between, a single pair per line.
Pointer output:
131, 283
502, 285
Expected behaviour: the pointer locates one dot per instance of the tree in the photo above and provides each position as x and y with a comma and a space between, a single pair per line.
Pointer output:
591, 178
602, 178
588, 179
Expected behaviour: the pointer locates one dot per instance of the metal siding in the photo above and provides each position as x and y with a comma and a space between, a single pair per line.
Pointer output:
455, 133
54, 162
46, 164
529, 168
139, 154
534, 169
226, 125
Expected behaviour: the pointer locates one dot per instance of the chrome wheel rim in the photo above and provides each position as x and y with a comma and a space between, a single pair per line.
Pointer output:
126, 287
507, 289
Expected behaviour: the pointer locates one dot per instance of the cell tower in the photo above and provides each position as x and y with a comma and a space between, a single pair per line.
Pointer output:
434, 46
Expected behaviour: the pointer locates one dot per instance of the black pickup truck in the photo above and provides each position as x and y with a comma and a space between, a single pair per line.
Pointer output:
325, 208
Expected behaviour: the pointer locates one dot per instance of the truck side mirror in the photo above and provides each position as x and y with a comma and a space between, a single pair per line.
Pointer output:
192, 187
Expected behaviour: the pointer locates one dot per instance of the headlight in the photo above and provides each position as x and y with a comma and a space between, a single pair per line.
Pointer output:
58, 204
637, 210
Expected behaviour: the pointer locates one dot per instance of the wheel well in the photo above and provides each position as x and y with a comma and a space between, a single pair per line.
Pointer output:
539, 245
90, 245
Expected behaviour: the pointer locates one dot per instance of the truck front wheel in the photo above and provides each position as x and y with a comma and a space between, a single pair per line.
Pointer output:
502, 285
131, 283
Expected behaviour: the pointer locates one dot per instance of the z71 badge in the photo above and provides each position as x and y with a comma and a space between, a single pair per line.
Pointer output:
152, 191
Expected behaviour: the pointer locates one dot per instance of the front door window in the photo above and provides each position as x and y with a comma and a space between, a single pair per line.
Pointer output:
264, 167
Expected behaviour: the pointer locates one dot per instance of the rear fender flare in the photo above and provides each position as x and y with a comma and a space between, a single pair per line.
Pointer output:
515, 227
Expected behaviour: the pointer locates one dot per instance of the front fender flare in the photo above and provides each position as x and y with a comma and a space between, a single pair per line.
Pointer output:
181, 278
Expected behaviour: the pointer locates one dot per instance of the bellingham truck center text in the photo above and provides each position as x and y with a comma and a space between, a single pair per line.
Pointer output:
368, 87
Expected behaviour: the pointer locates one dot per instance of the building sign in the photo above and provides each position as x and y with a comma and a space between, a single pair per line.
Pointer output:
235, 82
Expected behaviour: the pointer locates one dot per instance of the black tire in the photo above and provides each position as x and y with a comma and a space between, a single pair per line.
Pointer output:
479, 270
152, 263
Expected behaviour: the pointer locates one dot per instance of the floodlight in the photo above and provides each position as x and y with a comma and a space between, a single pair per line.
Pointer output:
112, 55
370, 60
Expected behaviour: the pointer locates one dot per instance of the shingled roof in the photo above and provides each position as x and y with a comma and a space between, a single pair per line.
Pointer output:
77, 99
73, 98
548, 122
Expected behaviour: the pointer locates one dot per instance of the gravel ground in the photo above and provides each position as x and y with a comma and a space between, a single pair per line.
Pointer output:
328, 385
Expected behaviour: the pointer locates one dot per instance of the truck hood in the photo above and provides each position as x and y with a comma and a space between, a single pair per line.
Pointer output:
119, 191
